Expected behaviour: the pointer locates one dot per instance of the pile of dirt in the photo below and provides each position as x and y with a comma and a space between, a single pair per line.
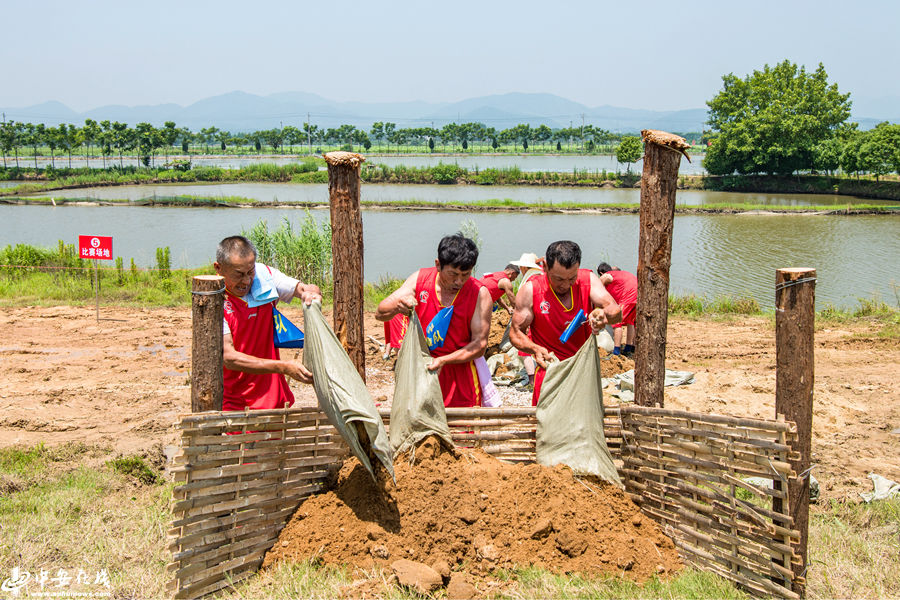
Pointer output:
499, 320
470, 511
613, 364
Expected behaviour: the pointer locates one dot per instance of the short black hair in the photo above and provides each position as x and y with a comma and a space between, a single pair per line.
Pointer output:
603, 268
235, 245
511, 267
457, 251
564, 252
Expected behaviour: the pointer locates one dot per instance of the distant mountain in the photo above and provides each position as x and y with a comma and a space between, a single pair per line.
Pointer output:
240, 111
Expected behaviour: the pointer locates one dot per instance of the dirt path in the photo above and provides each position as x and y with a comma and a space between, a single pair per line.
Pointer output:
122, 383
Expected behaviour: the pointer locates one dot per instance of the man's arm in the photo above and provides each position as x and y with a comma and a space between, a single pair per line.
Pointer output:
521, 321
508, 299
402, 300
238, 361
479, 328
606, 309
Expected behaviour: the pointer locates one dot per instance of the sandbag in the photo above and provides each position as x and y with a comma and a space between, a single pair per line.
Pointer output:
417, 410
342, 394
570, 416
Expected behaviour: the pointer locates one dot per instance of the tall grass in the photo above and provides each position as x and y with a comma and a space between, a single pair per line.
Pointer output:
304, 253
695, 305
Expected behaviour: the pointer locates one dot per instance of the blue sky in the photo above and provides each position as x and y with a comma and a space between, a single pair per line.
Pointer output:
650, 54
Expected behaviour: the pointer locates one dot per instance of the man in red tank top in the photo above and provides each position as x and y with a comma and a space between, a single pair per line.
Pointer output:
622, 286
547, 303
500, 286
427, 291
253, 370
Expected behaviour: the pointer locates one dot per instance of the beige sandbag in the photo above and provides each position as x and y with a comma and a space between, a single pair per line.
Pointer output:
342, 394
417, 410
570, 416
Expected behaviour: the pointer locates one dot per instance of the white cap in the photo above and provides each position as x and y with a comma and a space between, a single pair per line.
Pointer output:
529, 259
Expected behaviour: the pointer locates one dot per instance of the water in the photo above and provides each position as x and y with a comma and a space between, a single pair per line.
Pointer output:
525, 162
712, 254
287, 192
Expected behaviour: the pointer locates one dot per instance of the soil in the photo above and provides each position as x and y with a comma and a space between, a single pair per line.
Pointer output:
476, 513
499, 320
121, 383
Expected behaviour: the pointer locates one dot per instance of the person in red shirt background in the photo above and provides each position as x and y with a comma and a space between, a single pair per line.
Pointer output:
500, 286
622, 286
548, 302
429, 290
253, 370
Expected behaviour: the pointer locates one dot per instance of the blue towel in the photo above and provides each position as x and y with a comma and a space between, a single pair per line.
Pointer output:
262, 291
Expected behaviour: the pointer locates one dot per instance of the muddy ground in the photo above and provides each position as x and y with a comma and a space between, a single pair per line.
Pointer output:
122, 383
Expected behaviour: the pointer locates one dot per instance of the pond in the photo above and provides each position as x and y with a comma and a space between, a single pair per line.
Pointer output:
287, 192
855, 256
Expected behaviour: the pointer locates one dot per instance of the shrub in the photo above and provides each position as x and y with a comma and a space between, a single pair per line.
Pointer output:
446, 173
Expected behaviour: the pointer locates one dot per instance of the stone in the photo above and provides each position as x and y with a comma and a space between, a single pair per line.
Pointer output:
380, 551
416, 576
468, 515
459, 588
541, 529
488, 552
636, 521
570, 544
374, 532
442, 568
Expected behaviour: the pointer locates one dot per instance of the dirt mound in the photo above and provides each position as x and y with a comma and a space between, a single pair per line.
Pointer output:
475, 512
613, 364
499, 320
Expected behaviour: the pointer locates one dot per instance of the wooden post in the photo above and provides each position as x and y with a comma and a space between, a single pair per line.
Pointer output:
207, 301
347, 252
662, 156
795, 297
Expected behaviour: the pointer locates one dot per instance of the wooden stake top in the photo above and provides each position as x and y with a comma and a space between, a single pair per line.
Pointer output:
667, 140
351, 159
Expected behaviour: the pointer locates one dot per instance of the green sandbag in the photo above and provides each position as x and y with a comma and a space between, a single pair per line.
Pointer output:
570, 416
342, 394
417, 410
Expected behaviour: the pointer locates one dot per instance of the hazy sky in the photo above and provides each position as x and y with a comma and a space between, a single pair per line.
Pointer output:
650, 54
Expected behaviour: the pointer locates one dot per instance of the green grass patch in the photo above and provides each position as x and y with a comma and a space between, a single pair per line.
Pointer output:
694, 305
136, 467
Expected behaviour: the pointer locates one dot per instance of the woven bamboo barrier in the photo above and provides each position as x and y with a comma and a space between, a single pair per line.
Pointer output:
243, 476
244, 473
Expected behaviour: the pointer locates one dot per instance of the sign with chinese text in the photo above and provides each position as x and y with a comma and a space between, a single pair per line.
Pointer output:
97, 247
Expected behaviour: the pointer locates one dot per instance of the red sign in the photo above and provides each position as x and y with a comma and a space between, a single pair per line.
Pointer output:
97, 247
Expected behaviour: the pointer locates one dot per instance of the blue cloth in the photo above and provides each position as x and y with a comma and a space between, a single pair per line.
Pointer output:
436, 332
262, 290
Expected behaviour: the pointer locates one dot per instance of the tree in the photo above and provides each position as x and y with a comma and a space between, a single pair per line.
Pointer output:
630, 150
168, 134
880, 152
90, 133
186, 137
772, 120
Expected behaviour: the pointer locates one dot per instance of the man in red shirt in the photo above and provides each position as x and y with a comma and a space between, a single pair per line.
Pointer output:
547, 303
253, 369
622, 286
449, 283
500, 286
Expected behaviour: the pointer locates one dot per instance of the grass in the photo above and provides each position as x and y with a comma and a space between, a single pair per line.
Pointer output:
82, 509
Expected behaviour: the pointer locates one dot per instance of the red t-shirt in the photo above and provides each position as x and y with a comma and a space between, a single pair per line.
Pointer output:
551, 318
623, 288
491, 282
459, 382
252, 333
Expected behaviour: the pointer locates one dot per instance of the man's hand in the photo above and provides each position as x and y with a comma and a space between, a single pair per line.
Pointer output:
597, 320
310, 293
541, 356
406, 304
297, 371
436, 364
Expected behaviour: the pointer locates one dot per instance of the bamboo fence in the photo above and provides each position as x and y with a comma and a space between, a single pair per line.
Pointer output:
244, 474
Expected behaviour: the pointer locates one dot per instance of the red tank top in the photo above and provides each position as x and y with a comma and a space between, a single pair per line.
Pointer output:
252, 333
491, 282
429, 303
623, 288
551, 318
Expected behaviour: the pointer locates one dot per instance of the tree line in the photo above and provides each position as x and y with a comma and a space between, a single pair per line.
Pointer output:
112, 139
783, 120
